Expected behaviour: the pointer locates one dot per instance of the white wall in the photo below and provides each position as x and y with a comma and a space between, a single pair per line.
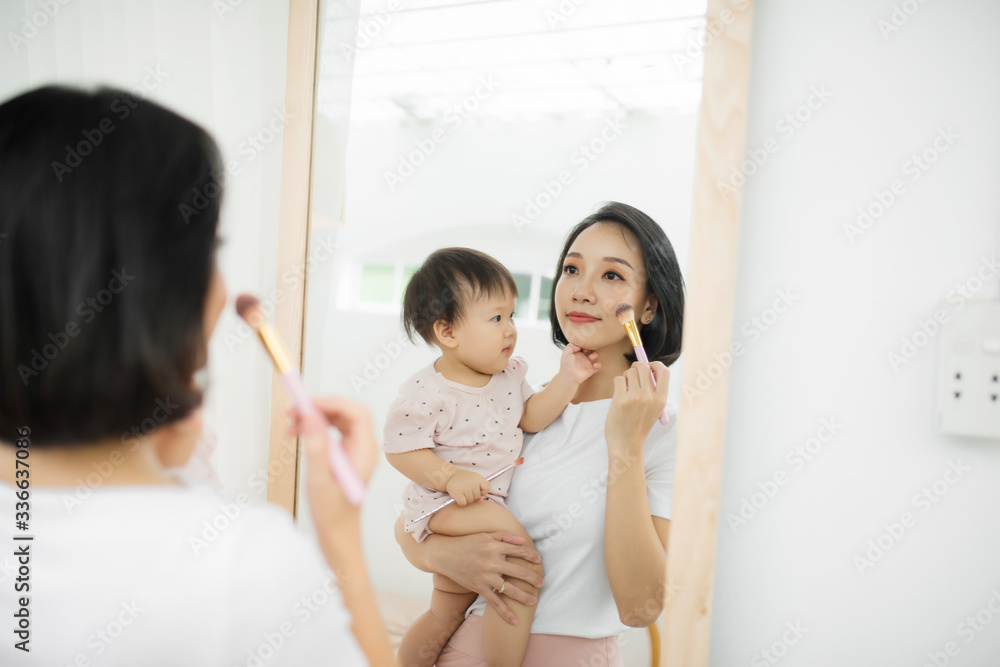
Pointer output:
223, 67
826, 358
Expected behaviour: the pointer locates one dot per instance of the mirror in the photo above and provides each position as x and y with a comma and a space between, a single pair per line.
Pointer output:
492, 125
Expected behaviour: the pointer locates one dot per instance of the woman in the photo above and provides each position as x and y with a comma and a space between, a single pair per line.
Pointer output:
109, 292
595, 490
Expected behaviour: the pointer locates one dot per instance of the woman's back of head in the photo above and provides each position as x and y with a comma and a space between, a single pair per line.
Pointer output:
108, 223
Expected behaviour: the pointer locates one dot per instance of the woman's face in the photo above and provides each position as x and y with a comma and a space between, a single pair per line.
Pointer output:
602, 269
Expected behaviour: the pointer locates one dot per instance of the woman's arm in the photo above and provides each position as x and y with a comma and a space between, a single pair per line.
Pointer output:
342, 549
338, 525
477, 562
635, 550
544, 407
635, 542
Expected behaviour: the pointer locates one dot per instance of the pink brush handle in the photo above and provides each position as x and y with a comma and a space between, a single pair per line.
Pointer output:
640, 354
451, 500
341, 467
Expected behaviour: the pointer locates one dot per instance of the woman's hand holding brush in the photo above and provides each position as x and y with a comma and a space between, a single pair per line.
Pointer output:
327, 501
248, 307
634, 407
624, 313
337, 520
340, 455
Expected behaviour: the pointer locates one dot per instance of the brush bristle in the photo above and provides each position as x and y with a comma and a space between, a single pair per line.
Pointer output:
624, 312
519, 461
246, 306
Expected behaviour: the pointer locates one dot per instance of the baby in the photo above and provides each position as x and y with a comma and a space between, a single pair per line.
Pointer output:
458, 421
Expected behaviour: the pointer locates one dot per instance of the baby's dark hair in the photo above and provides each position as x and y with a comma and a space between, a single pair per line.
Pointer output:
445, 284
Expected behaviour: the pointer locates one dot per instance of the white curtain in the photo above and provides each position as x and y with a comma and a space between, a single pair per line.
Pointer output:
222, 66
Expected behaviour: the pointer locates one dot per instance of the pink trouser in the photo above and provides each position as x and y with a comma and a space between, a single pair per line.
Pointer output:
465, 649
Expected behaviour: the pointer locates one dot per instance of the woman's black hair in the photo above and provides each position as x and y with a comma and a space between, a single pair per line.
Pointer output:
108, 222
661, 338
445, 284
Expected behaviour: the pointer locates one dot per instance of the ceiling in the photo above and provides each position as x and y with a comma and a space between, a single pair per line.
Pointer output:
540, 59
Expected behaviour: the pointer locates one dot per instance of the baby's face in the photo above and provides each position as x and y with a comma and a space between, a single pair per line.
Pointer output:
486, 335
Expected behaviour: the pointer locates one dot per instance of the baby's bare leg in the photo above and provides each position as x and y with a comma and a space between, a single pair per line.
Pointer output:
425, 639
504, 643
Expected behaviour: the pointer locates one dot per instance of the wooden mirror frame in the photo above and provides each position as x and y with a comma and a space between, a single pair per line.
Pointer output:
708, 317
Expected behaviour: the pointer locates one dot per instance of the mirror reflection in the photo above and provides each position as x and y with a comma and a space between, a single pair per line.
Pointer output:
495, 126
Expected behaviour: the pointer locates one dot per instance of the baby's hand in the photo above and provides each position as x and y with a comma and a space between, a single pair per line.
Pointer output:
577, 364
467, 487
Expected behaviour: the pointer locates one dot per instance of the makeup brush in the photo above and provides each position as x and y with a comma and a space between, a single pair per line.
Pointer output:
516, 463
248, 307
624, 313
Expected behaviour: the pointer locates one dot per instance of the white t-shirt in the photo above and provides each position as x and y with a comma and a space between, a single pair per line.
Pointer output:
150, 575
559, 495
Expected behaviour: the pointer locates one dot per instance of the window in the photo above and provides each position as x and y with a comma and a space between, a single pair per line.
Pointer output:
521, 309
377, 282
382, 284
544, 298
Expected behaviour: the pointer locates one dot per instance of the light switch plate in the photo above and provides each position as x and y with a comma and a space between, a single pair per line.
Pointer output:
969, 371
